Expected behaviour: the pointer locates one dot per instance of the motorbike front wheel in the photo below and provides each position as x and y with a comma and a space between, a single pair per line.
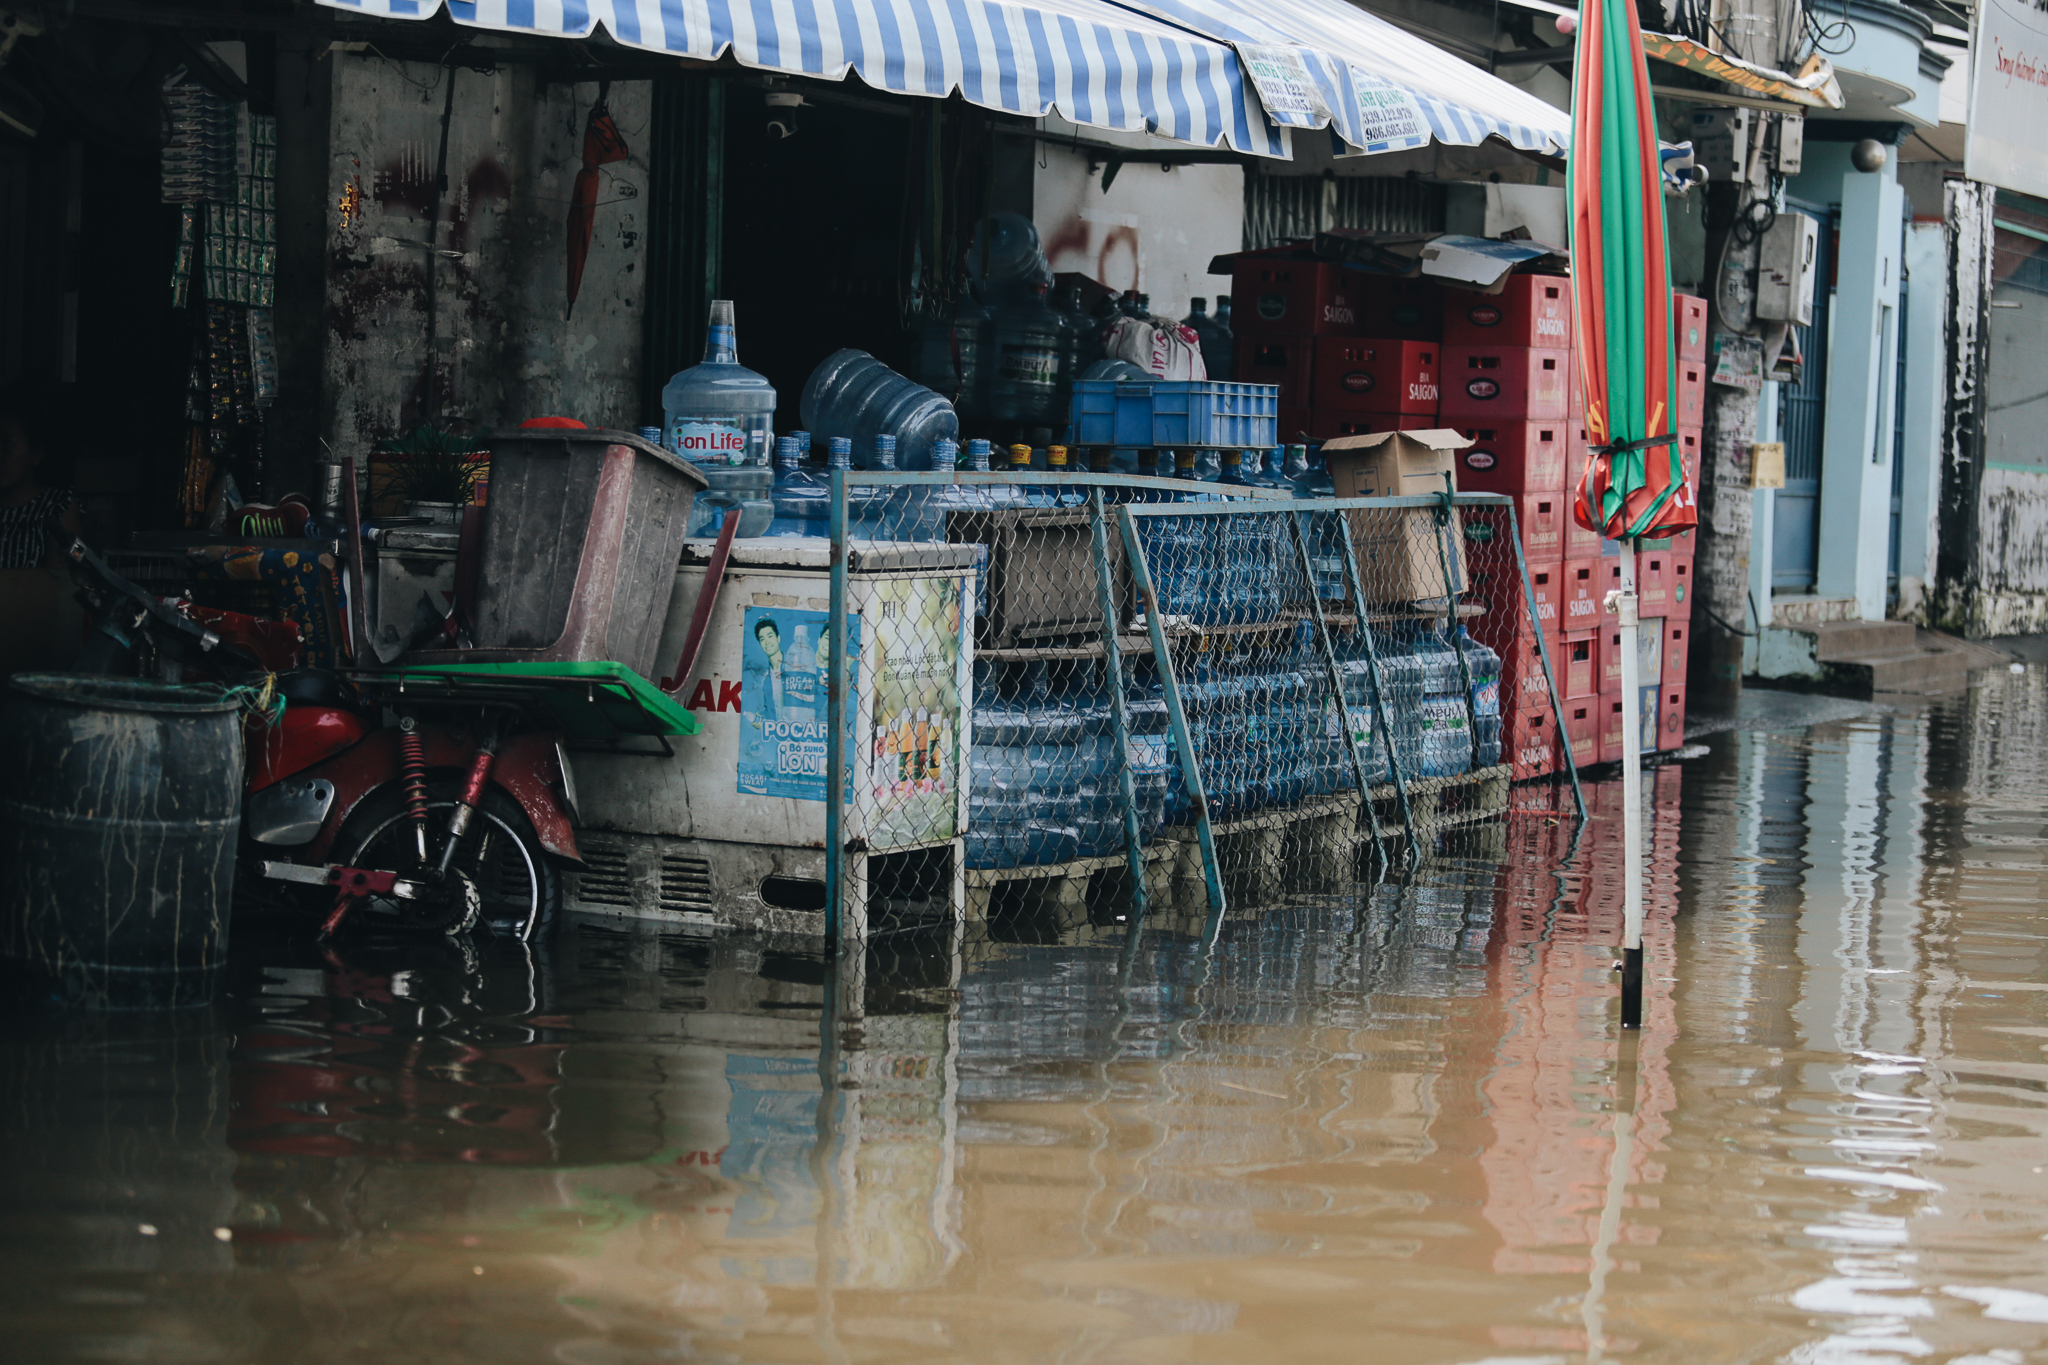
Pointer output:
503, 877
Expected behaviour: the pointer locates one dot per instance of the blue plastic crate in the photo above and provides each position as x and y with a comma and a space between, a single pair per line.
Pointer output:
1205, 414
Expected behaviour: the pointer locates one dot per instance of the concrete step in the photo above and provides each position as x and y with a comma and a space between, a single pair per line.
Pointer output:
1925, 671
1850, 641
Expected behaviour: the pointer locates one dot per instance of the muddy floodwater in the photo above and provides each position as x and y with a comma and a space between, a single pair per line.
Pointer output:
1401, 1126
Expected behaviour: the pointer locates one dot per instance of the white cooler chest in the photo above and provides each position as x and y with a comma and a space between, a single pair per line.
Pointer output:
730, 829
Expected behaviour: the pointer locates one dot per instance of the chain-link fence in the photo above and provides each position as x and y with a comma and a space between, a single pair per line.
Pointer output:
1077, 694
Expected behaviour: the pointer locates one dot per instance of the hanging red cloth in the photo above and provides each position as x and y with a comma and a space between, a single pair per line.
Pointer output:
602, 145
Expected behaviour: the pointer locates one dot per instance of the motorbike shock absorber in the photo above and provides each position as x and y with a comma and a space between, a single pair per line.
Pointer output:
413, 764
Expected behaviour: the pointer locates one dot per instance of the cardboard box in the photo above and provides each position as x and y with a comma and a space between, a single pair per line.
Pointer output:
1582, 583
1410, 309
1578, 665
1692, 393
1689, 324
1505, 384
1539, 518
1328, 426
1288, 361
1582, 731
1677, 639
1402, 552
1292, 298
1530, 310
1371, 374
1515, 457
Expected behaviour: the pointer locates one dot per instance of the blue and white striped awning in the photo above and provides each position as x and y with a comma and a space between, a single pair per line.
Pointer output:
1379, 87
1089, 61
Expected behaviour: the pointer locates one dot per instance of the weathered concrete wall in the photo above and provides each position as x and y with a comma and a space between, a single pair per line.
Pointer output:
1154, 231
2012, 552
504, 350
1968, 231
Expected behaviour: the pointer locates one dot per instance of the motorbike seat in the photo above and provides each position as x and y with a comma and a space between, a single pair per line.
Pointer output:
318, 687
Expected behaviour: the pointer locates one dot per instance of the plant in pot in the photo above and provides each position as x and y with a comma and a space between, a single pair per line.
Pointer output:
427, 472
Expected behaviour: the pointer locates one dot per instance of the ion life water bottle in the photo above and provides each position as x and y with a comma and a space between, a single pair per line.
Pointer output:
998, 776
719, 413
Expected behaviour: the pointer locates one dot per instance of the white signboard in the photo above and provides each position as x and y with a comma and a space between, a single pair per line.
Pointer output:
1281, 76
2009, 97
1389, 119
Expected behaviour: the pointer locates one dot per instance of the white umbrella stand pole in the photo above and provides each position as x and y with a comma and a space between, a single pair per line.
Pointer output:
1631, 798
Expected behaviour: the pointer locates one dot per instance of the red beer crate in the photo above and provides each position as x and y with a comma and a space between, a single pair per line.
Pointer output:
1514, 457
1689, 324
1680, 574
1578, 665
1411, 309
1288, 361
1539, 517
1583, 586
1677, 638
1531, 310
1521, 671
1369, 374
1505, 383
1671, 715
1529, 740
1325, 425
1292, 298
1613, 727
1692, 393
1663, 583
1296, 422
1582, 730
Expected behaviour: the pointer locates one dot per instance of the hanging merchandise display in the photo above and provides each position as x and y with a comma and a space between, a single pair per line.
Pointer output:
220, 161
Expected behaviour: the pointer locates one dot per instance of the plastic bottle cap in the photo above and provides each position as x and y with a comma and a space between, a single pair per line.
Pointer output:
1056, 455
1020, 454
1184, 459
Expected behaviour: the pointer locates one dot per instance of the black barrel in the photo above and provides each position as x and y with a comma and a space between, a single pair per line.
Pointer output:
119, 800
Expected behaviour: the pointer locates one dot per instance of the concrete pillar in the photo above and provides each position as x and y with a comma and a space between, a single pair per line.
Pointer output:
1920, 451
1856, 457
1763, 536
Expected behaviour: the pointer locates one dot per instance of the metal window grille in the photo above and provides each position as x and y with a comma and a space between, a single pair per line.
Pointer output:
1288, 208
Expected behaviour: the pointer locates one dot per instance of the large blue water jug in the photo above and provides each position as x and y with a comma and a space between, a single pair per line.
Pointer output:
1484, 666
854, 395
719, 413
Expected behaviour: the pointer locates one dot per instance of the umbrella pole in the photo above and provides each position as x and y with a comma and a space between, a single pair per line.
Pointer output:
1631, 797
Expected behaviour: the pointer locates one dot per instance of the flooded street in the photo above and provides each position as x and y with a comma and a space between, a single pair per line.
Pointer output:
1398, 1128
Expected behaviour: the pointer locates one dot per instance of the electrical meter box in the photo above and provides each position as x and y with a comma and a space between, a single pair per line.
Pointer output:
1720, 142
1791, 143
726, 828
1785, 270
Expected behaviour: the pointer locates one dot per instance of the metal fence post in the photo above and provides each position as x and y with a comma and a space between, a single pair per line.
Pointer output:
1191, 772
1299, 526
1448, 519
1356, 584
1543, 652
835, 725
1113, 683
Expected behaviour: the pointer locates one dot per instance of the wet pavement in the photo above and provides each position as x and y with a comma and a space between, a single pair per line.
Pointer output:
1396, 1127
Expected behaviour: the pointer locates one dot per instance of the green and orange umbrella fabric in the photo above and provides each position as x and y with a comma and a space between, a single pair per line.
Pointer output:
1635, 483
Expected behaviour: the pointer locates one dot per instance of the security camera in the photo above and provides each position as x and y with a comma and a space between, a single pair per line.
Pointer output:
782, 107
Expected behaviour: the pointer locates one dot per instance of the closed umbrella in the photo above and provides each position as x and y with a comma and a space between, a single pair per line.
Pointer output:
602, 144
1634, 483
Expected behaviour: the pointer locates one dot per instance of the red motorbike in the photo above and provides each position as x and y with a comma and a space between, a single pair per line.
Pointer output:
453, 815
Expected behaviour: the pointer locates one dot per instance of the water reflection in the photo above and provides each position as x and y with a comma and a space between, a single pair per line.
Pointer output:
1400, 1124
